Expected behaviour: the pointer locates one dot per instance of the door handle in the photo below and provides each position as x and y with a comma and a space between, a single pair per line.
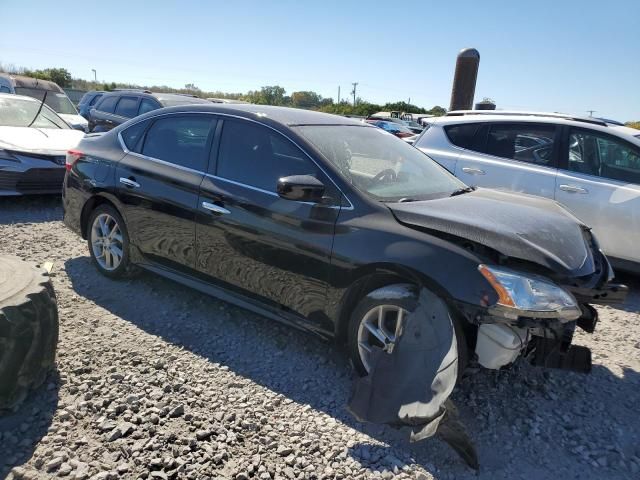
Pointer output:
573, 189
129, 183
212, 207
473, 171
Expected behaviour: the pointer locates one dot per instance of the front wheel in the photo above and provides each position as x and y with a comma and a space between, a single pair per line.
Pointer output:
375, 322
108, 241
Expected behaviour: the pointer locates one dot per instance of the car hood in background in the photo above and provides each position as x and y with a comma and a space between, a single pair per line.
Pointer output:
518, 226
76, 121
44, 141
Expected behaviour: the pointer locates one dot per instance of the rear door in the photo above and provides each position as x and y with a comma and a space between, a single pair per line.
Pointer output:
516, 156
158, 184
600, 183
251, 239
101, 117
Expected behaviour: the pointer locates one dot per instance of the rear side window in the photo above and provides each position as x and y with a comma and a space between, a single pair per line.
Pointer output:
180, 140
4, 89
108, 104
532, 143
131, 136
127, 107
95, 99
464, 135
147, 105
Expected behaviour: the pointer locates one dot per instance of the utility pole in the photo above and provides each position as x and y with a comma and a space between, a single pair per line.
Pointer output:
355, 84
338, 94
591, 112
95, 75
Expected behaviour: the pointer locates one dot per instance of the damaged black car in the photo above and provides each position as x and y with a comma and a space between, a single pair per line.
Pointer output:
337, 227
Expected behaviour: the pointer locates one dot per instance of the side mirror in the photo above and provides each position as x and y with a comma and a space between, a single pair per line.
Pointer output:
303, 188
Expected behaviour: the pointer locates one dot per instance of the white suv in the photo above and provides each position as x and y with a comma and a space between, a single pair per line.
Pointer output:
590, 166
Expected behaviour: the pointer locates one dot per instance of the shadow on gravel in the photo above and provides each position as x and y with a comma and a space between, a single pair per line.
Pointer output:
22, 430
497, 407
30, 209
632, 304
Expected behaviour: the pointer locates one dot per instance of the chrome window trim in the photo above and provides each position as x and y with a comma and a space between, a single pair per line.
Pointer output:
153, 117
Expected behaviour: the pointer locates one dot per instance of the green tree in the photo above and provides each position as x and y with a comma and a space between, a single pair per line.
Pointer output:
438, 111
270, 95
633, 125
305, 99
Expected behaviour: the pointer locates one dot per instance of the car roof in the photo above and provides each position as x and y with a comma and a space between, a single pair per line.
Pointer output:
282, 115
29, 82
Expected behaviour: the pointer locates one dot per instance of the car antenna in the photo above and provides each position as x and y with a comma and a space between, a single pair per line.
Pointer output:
39, 109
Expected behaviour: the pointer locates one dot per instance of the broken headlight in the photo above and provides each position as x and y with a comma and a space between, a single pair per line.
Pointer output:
529, 295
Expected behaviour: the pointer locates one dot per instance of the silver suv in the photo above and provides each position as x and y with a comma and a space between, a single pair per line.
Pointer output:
590, 166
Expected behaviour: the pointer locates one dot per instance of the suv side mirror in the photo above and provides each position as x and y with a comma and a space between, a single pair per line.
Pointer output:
303, 188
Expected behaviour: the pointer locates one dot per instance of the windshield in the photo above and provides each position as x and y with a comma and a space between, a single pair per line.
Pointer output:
392, 127
18, 112
59, 102
381, 165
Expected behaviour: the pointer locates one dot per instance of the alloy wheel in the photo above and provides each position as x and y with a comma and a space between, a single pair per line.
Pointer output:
379, 328
106, 242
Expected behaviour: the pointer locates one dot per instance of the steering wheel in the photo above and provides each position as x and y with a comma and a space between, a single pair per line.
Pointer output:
387, 174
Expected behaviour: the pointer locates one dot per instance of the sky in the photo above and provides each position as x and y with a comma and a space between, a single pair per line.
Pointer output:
562, 55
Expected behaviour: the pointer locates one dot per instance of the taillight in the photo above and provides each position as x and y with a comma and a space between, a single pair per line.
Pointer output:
72, 157
404, 134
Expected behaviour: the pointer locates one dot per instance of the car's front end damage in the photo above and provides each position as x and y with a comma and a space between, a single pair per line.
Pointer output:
539, 272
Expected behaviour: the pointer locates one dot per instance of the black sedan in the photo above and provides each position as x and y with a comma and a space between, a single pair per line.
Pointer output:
333, 226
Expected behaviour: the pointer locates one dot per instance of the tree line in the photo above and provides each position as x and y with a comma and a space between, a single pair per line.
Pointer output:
267, 95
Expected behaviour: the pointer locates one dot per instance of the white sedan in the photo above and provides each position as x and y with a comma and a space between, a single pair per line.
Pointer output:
34, 141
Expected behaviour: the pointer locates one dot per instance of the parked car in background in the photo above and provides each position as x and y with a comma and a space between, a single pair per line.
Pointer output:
88, 100
398, 129
331, 225
225, 100
34, 141
586, 164
115, 108
52, 94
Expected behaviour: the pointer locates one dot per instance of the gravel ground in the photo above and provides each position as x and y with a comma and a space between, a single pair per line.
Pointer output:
158, 381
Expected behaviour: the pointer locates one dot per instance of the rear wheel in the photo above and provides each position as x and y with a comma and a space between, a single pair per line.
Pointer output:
375, 321
108, 242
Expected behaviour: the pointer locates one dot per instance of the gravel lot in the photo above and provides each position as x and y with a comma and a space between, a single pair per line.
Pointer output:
158, 381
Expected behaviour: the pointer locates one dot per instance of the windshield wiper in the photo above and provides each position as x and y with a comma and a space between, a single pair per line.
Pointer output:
39, 109
407, 199
460, 191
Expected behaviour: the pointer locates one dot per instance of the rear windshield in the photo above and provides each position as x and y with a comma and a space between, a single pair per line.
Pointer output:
59, 102
379, 164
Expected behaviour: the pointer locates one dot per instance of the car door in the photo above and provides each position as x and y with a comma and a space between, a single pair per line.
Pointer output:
158, 184
600, 183
516, 156
252, 240
101, 117
126, 109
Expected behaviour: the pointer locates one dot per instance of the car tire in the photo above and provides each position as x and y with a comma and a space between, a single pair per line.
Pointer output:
28, 329
398, 296
104, 254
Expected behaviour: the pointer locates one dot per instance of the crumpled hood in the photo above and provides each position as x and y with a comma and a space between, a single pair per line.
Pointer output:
519, 226
44, 141
74, 120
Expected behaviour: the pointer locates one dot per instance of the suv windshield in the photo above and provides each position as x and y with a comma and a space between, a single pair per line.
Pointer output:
59, 102
381, 165
18, 112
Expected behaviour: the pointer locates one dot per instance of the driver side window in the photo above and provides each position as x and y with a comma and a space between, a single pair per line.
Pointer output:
257, 156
